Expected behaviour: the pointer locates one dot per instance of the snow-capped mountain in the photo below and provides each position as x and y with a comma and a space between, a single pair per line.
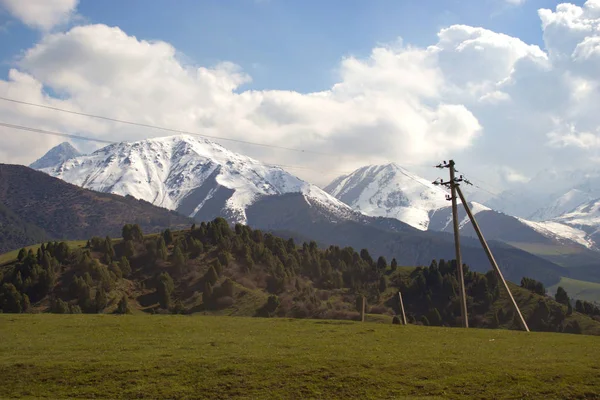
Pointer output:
194, 176
584, 218
392, 191
548, 194
389, 191
57, 155
562, 205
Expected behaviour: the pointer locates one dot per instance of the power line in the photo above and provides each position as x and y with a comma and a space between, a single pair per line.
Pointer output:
78, 137
164, 128
66, 135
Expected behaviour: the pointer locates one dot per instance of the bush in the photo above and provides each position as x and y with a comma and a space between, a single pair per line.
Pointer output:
379, 309
224, 302
396, 320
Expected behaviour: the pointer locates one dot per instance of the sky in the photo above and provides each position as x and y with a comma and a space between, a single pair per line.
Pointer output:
507, 88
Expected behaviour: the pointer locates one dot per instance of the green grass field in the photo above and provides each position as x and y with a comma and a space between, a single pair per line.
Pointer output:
582, 290
104, 356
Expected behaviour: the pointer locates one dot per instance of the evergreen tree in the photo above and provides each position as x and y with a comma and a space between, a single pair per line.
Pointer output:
435, 318
272, 304
22, 254
11, 300
211, 276
394, 264
561, 296
129, 249
207, 294
57, 306
125, 267
569, 308
127, 232
100, 301
137, 233
579, 307
179, 261
164, 289
123, 307
161, 249
168, 237
382, 284
381, 263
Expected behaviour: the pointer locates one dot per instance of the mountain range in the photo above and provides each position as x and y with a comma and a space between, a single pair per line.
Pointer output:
386, 209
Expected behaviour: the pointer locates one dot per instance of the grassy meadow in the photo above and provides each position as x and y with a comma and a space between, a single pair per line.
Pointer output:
198, 357
582, 290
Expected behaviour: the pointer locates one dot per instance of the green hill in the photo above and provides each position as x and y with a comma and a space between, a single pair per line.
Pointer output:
214, 269
179, 357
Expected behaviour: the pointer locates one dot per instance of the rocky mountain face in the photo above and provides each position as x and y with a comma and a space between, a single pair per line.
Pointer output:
35, 207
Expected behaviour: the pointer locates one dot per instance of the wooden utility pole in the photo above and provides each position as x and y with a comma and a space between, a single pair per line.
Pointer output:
362, 310
490, 256
453, 184
402, 308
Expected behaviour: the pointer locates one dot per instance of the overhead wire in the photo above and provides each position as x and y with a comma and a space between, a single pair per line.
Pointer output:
78, 137
71, 136
247, 142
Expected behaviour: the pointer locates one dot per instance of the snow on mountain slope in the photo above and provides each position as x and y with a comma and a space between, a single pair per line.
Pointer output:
55, 156
562, 205
560, 232
187, 173
389, 191
585, 217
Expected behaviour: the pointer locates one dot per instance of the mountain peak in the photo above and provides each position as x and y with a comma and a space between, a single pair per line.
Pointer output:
389, 190
189, 174
56, 155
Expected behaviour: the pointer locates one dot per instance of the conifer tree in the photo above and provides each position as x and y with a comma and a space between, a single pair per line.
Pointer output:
164, 289
125, 267
207, 294
179, 260
394, 264
168, 237
561, 296
161, 248
381, 263
100, 301
123, 307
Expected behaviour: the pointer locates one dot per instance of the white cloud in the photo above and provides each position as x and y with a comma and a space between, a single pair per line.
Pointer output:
41, 14
515, 2
387, 106
483, 98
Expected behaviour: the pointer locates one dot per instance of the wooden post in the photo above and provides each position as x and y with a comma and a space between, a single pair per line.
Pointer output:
362, 310
488, 252
402, 308
459, 266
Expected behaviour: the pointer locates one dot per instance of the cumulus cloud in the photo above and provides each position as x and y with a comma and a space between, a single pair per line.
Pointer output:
495, 103
41, 14
387, 106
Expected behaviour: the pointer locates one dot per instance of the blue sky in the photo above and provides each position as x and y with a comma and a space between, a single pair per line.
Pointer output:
288, 44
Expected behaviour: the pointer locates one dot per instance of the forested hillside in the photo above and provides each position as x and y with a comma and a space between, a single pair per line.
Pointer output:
35, 207
212, 268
